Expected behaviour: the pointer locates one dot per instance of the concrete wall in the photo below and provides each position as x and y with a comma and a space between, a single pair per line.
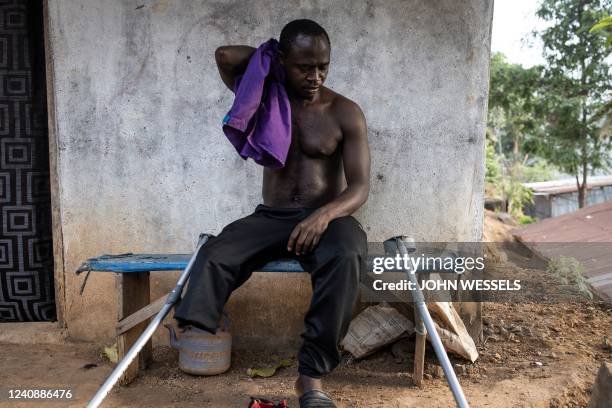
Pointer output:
144, 166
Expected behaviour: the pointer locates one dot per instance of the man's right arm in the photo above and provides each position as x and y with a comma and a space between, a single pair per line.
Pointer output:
232, 61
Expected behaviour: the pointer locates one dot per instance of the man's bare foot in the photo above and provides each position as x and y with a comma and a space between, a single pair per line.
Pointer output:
304, 384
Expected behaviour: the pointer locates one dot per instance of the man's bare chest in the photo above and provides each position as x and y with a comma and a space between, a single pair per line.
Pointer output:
314, 133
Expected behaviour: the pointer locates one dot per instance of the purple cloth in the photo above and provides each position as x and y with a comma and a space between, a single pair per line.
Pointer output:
259, 122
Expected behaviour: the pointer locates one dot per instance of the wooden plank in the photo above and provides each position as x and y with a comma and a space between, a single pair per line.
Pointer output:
141, 315
56, 215
133, 294
135, 263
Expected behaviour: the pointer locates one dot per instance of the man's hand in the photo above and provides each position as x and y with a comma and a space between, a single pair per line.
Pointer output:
307, 233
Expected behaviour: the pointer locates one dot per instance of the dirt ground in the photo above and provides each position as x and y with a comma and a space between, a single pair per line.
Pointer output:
533, 355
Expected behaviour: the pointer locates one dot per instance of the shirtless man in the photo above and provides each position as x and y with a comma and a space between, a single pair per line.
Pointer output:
306, 211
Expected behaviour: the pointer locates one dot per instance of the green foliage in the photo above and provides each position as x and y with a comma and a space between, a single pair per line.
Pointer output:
266, 372
526, 219
110, 353
506, 179
604, 27
514, 124
514, 117
516, 193
558, 115
569, 271
576, 85
493, 173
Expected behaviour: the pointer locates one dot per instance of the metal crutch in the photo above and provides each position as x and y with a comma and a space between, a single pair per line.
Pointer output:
419, 300
173, 297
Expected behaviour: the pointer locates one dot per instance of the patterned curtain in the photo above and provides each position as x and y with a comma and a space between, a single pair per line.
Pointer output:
26, 259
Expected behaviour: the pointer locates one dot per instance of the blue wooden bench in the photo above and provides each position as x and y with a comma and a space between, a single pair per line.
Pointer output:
134, 298
135, 307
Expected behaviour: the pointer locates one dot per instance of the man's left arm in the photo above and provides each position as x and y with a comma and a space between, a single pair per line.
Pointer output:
356, 161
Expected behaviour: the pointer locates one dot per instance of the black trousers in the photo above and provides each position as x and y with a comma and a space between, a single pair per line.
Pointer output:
226, 261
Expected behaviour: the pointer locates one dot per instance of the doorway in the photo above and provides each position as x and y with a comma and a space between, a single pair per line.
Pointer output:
26, 257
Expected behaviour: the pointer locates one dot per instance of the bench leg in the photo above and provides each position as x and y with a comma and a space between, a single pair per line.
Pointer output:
133, 294
421, 340
419, 348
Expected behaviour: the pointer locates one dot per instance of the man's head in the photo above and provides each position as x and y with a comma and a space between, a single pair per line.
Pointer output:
304, 55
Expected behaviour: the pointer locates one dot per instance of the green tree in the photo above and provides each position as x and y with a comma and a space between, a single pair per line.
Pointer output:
514, 123
604, 28
514, 106
577, 85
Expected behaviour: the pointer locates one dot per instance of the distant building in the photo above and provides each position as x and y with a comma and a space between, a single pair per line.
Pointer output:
558, 197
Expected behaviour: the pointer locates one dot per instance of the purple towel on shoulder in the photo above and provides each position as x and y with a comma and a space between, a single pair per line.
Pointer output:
259, 122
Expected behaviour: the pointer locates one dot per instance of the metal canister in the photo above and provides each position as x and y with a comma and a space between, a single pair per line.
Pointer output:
201, 352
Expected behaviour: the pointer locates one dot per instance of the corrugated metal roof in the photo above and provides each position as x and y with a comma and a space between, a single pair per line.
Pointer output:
585, 235
567, 185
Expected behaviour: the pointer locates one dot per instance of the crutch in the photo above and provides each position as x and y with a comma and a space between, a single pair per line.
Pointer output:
173, 297
405, 246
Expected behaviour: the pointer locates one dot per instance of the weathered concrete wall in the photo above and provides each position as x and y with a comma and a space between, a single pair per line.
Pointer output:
144, 166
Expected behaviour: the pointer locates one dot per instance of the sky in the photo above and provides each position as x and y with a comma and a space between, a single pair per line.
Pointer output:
513, 20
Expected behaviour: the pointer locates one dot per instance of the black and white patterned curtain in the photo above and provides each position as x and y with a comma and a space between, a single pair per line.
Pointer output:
26, 260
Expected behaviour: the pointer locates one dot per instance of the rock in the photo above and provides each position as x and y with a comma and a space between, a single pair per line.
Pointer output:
494, 203
505, 218
497, 356
460, 369
538, 364
427, 376
514, 328
527, 332
402, 350
437, 371
601, 395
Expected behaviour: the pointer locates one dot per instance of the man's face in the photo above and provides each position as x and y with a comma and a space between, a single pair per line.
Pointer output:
306, 65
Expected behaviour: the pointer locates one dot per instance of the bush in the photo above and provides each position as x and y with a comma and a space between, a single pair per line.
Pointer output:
570, 271
493, 168
516, 193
